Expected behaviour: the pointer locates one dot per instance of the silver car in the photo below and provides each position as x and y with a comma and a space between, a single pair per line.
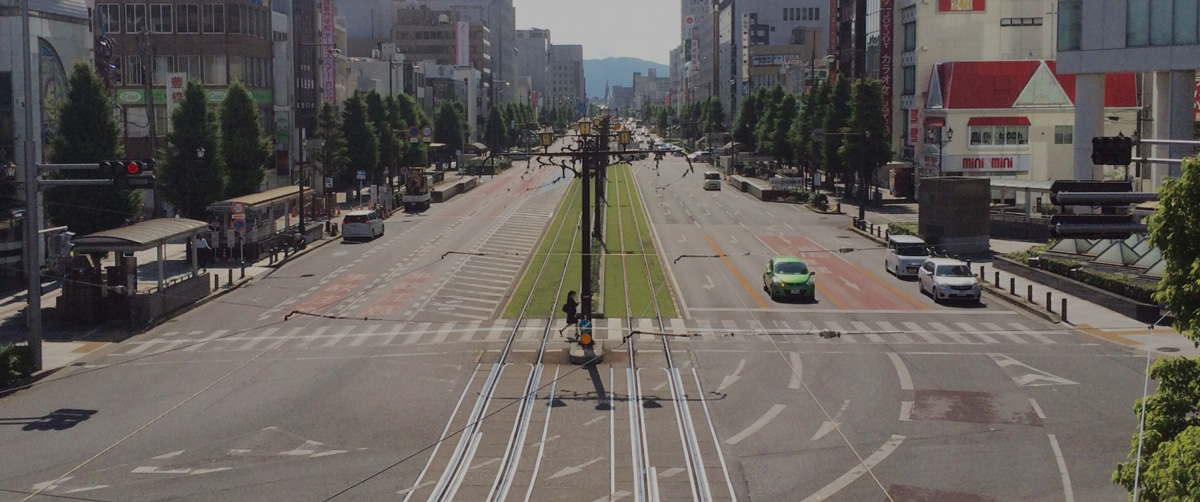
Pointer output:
362, 225
948, 279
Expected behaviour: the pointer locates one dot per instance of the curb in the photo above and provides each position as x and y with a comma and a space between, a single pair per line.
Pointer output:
867, 235
1016, 301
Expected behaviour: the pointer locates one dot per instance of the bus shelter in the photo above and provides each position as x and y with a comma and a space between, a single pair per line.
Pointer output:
94, 292
271, 219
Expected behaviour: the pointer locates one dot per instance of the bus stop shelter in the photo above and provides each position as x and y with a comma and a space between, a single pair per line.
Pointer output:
269, 223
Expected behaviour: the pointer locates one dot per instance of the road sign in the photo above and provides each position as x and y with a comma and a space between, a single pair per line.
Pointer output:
362, 175
585, 326
239, 224
414, 134
238, 207
427, 131
328, 182
403, 171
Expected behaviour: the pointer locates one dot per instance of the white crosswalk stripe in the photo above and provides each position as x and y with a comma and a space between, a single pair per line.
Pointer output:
701, 330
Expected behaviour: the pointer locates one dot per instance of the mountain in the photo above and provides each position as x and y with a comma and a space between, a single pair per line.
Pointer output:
617, 71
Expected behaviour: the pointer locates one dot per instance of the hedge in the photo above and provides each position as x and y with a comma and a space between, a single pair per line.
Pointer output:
16, 362
1120, 284
902, 228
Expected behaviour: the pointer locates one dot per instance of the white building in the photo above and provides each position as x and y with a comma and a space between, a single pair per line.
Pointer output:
286, 144
1157, 37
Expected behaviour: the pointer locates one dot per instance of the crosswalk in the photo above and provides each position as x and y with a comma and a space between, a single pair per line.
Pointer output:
643, 329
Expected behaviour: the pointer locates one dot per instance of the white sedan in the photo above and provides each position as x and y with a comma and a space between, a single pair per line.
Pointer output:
948, 279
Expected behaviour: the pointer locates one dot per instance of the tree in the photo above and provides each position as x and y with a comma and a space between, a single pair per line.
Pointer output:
769, 104
820, 98
243, 147
716, 116
1175, 230
377, 113
333, 155
1170, 443
801, 131
362, 142
836, 116
866, 116
191, 181
747, 119
493, 130
448, 127
781, 142
92, 135
413, 116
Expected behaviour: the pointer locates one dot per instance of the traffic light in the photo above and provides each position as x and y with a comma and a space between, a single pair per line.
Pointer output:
1112, 150
1114, 221
129, 173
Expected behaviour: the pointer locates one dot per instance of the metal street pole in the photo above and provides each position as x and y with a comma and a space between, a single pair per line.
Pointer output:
585, 297
33, 310
303, 158
862, 169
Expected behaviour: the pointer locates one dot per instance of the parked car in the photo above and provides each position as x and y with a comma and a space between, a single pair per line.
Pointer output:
948, 279
789, 276
712, 181
700, 156
365, 224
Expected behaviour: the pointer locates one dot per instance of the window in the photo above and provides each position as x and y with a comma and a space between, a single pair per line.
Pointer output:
910, 36
235, 19
215, 71
108, 18
189, 65
1070, 23
237, 68
1185, 22
135, 18
187, 18
1021, 21
133, 71
213, 18
160, 18
1064, 135
162, 66
999, 135
910, 80
1160, 22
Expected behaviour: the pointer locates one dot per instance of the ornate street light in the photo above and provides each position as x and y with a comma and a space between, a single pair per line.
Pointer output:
584, 127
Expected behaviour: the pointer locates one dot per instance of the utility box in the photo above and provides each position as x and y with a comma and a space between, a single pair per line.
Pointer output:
953, 213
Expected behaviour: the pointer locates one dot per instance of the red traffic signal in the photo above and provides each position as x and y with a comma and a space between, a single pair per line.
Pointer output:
133, 167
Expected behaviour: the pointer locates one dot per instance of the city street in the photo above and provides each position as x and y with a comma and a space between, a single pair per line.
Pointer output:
381, 370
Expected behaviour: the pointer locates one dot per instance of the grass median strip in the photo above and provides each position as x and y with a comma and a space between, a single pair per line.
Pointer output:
552, 252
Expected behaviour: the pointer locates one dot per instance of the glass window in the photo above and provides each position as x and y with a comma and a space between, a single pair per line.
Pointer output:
235, 19
1160, 22
160, 18
133, 71
910, 80
1070, 24
215, 71
237, 68
1064, 134
214, 18
910, 36
1185, 22
189, 65
1137, 24
162, 66
135, 18
108, 18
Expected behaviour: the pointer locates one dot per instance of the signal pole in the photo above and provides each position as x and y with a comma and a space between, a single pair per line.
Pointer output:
33, 309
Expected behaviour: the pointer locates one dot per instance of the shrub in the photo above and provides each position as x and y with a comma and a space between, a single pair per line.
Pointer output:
1024, 256
902, 228
16, 362
820, 201
1120, 284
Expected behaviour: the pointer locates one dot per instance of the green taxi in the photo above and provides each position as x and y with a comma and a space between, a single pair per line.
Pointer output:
789, 276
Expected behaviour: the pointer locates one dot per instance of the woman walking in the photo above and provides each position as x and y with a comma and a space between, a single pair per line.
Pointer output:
571, 309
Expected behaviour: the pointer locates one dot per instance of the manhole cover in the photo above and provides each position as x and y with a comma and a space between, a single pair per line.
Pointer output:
1168, 349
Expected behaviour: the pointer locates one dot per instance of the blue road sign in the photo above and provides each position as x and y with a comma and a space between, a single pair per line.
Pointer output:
239, 225
585, 326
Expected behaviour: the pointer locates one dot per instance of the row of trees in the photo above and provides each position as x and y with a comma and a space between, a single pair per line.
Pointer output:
508, 125
372, 135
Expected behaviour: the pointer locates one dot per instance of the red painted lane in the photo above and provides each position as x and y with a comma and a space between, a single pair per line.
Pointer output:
848, 285
332, 293
397, 296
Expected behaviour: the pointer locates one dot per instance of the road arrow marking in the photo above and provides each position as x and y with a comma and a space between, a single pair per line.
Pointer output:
155, 470
86, 488
327, 453
46, 486
709, 285
617, 495
567, 471
732, 379
682, 238
797, 370
238, 452
594, 420
733, 240
851, 284
1038, 379
757, 425
169, 455
206, 471
828, 426
845, 479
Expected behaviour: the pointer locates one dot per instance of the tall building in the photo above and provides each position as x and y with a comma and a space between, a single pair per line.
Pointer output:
1158, 38
676, 68
650, 89
533, 59
566, 75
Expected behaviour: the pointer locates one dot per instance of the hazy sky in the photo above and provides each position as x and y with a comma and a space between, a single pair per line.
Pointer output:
646, 29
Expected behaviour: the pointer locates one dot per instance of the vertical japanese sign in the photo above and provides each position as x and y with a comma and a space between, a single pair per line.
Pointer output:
463, 40
745, 49
327, 71
887, 21
175, 85
914, 126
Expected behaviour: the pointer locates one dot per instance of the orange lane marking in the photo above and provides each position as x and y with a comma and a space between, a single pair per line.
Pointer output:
729, 264
832, 297
881, 282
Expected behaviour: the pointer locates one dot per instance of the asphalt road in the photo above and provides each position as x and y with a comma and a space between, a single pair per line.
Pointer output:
378, 370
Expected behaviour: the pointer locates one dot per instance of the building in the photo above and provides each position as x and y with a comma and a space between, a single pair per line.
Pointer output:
533, 58
650, 89
457, 83
676, 69
620, 97
702, 70
566, 76
285, 143
1132, 36
424, 34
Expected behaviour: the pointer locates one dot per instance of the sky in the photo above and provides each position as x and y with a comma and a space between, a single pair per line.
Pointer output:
646, 29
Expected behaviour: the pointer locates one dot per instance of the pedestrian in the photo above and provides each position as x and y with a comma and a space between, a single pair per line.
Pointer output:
202, 251
571, 309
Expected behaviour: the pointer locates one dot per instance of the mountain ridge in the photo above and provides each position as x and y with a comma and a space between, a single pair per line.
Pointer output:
617, 71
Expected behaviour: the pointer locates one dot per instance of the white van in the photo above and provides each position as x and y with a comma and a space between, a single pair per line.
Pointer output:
905, 255
362, 225
712, 181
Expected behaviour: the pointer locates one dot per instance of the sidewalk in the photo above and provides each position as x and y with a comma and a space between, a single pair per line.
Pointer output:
1085, 316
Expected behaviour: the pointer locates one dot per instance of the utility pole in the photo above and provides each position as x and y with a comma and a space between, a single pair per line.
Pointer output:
601, 172
151, 110
860, 38
33, 309
585, 297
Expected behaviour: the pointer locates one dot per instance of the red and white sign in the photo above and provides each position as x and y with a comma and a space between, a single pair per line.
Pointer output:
984, 163
887, 22
463, 40
327, 71
175, 84
1196, 104
914, 126
962, 5
237, 207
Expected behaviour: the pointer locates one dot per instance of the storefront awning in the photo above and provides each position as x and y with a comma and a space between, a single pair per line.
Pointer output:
998, 121
935, 121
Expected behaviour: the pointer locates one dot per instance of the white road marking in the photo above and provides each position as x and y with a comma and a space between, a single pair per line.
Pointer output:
972, 330
797, 370
862, 327
86, 488
830, 489
1038, 379
169, 455
917, 330
850, 284
1031, 333
327, 453
567, 471
732, 379
949, 332
906, 411
666, 473
829, 426
1037, 409
50, 485
906, 382
757, 425
1001, 332
1062, 468
708, 284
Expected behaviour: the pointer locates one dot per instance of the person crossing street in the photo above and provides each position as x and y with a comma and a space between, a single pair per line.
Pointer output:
571, 308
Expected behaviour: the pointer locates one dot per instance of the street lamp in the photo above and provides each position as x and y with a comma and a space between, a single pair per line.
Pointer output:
546, 138
584, 127
937, 139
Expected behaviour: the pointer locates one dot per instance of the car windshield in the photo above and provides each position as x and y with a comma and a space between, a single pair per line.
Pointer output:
355, 218
712, 176
791, 267
912, 250
953, 271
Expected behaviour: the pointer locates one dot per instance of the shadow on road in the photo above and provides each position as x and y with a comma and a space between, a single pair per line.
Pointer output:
57, 420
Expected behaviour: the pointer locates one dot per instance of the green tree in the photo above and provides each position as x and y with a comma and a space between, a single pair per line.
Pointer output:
866, 116
377, 113
836, 118
715, 121
747, 119
1175, 230
493, 130
189, 181
412, 115
244, 149
91, 135
1170, 443
362, 142
781, 143
820, 100
769, 104
448, 127
801, 131
333, 155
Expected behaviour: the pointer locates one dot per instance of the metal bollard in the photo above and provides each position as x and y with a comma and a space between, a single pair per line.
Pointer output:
1049, 302
1063, 314
1029, 292
1012, 286
982, 274
997, 279
230, 278
216, 282
839, 208
243, 271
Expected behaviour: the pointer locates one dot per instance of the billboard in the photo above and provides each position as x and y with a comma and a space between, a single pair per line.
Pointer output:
962, 5
462, 39
887, 21
327, 72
